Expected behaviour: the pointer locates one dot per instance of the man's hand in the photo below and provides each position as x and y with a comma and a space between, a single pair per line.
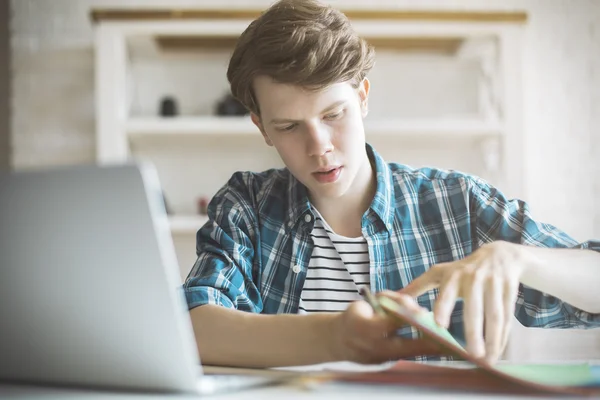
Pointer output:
360, 335
488, 282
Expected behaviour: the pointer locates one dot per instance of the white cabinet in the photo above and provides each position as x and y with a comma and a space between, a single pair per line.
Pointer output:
445, 92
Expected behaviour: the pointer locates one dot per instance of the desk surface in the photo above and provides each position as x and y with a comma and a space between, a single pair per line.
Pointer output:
330, 391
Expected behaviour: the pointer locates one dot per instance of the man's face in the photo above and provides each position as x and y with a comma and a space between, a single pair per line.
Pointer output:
319, 135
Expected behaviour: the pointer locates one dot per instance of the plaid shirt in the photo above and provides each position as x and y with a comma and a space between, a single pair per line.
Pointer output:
254, 252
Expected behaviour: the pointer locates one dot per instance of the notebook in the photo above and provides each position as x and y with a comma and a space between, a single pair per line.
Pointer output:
476, 375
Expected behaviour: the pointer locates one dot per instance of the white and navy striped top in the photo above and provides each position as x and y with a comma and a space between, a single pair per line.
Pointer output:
338, 268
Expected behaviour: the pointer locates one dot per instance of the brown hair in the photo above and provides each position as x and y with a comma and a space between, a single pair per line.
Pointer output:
301, 42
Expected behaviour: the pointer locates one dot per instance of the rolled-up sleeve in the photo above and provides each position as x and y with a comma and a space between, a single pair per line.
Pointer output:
499, 218
225, 248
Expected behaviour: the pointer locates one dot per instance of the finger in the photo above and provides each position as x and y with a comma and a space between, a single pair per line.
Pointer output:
473, 315
511, 292
494, 318
368, 323
362, 309
405, 304
404, 300
447, 299
425, 282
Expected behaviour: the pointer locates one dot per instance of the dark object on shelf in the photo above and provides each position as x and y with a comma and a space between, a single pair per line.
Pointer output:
202, 205
230, 106
168, 107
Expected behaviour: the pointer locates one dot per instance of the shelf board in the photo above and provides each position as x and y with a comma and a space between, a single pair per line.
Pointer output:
205, 125
186, 224
446, 44
441, 44
158, 14
139, 129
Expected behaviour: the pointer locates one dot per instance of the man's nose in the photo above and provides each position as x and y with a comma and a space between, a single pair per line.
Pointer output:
319, 139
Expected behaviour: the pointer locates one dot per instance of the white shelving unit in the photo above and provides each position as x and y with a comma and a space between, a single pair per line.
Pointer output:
445, 92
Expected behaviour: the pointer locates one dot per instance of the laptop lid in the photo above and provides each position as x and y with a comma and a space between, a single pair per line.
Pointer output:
90, 292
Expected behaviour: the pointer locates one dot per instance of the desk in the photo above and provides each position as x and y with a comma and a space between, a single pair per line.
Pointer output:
329, 391
326, 392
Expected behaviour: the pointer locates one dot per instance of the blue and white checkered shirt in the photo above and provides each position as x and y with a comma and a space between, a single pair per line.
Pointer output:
254, 252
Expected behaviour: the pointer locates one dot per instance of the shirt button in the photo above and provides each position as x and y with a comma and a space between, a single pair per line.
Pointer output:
307, 217
296, 268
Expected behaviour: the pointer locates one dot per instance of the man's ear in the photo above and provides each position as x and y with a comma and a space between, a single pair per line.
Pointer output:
257, 121
363, 94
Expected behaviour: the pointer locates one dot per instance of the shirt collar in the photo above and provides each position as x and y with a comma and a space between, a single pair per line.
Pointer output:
298, 202
382, 204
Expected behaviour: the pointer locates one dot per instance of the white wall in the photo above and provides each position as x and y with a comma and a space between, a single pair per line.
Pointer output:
53, 94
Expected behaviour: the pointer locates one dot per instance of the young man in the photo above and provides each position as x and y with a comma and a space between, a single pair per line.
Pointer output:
281, 261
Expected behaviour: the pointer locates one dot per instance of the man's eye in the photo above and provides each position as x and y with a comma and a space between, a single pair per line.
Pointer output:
335, 115
286, 128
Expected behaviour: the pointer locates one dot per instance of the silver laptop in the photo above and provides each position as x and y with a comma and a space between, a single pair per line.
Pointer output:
90, 291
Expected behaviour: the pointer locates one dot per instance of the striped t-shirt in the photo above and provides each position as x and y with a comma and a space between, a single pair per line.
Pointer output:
338, 268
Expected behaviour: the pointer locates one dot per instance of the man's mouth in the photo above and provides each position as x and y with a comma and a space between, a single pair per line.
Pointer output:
328, 174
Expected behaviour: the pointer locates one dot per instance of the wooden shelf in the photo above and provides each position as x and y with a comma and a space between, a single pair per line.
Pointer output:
186, 224
440, 45
156, 14
194, 43
139, 129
